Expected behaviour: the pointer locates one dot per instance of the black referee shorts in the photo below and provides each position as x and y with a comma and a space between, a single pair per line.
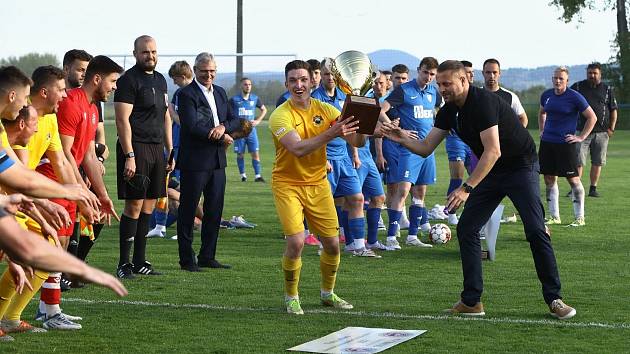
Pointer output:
149, 181
558, 159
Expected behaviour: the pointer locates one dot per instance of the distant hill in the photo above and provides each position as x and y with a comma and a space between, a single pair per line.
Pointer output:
513, 78
384, 59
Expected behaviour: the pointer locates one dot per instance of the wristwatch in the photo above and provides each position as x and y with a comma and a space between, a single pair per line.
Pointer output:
130, 154
467, 187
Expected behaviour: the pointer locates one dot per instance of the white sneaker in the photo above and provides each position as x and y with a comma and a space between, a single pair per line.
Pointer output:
349, 248
364, 252
393, 244
156, 232
452, 219
426, 227
379, 246
240, 222
416, 242
174, 237
60, 321
403, 224
72, 318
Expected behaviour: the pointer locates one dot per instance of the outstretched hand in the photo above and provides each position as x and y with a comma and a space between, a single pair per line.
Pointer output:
345, 127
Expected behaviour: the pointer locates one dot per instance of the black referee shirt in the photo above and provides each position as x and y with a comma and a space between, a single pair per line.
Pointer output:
149, 96
482, 110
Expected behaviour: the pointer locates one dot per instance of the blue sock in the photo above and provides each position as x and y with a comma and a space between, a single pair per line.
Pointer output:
394, 218
240, 162
160, 217
453, 185
415, 213
346, 227
373, 215
425, 216
256, 165
357, 229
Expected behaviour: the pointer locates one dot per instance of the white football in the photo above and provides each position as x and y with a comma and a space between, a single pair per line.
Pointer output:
440, 233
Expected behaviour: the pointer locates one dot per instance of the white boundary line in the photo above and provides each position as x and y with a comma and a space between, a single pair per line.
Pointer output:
498, 320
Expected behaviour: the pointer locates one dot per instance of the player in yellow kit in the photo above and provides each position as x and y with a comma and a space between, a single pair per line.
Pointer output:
301, 127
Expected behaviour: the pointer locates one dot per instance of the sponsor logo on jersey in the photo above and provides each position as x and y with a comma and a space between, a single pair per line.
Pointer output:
419, 112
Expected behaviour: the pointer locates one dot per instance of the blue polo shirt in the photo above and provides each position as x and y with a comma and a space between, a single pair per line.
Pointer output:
415, 106
245, 108
562, 114
336, 148
283, 98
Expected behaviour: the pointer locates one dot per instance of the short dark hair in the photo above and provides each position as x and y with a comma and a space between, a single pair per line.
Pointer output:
76, 54
11, 77
245, 78
491, 61
315, 64
400, 68
386, 72
429, 63
180, 68
466, 64
297, 64
101, 65
594, 65
44, 76
22, 115
450, 65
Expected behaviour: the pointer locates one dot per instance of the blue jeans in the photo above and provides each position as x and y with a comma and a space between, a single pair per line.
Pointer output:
521, 185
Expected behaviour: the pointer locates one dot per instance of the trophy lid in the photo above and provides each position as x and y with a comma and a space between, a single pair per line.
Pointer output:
353, 72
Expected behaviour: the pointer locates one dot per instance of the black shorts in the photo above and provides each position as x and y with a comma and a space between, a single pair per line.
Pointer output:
558, 159
150, 179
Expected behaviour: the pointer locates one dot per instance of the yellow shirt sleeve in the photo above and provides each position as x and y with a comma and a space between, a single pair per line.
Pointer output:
55, 140
280, 124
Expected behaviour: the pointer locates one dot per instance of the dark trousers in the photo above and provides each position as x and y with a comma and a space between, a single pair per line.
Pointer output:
521, 185
192, 184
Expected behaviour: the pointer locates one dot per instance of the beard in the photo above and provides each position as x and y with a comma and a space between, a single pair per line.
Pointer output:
145, 66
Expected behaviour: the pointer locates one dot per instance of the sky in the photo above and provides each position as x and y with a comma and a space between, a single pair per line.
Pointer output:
521, 33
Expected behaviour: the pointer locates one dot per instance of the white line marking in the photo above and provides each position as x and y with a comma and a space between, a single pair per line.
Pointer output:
499, 320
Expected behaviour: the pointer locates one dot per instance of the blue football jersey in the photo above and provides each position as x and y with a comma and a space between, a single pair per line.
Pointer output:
336, 148
415, 106
245, 108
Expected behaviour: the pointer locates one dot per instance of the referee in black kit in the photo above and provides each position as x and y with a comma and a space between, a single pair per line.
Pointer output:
144, 130
508, 166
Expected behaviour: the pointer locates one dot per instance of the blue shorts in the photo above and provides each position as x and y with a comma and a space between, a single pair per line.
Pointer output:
457, 150
390, 153
413, 168
251, 141
343, 178
370, 179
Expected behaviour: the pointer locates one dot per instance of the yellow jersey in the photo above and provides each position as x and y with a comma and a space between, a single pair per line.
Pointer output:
45, 139
309, 169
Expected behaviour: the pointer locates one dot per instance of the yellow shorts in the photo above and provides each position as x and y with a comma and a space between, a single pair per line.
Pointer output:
315, 202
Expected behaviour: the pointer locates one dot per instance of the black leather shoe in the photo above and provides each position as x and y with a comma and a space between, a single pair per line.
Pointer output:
191, 268
214, 264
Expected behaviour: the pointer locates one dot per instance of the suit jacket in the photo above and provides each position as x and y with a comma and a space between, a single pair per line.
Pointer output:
196, 151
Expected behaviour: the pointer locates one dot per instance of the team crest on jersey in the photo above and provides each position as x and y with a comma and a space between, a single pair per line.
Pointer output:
318, 120
93, 118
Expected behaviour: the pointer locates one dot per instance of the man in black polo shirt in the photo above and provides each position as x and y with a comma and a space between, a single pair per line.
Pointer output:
508, 166
144, 130
602, 99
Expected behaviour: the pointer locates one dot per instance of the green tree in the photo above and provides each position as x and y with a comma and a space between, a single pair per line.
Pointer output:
618, 71
31, 61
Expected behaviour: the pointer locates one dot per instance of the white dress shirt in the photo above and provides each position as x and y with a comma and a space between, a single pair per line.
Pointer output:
210, 98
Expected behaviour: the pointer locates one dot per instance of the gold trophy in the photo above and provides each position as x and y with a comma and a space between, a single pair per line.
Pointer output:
354, 75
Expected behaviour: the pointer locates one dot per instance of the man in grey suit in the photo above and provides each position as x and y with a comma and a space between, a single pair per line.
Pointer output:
206, 122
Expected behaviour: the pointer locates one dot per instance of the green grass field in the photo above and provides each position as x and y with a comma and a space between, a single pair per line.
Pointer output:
241, 310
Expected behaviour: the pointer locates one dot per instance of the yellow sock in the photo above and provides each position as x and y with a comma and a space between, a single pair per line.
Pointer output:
328, 265
20, 301
291, 269
7, 291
